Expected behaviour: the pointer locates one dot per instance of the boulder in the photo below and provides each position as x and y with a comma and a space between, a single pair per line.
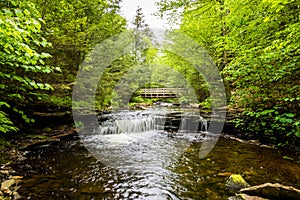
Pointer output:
273, 191
236, 182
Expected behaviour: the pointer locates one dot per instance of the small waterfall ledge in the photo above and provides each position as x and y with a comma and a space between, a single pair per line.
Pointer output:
139, 121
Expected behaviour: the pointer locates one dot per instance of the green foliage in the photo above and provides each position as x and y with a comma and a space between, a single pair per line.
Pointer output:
206, 103
256, 47
37, 137
182, 74
122, 72
58, 101
287, 158
21, 61
74, 28
271, 125
106, 86
265, 69
6, 125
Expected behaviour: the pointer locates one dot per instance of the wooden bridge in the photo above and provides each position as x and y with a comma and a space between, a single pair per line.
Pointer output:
162, 92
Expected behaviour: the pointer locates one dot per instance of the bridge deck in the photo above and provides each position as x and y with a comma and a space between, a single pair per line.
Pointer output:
161, 92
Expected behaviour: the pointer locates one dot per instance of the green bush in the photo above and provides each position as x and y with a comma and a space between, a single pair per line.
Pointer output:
271, 125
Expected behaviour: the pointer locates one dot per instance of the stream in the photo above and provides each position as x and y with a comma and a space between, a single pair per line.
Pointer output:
131, 155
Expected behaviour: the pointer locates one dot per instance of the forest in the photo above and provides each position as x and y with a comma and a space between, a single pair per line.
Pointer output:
48, 46
255, 45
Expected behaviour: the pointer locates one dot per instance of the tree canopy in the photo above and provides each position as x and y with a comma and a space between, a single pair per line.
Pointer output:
20, 60
256, 47
42, 45
254, 43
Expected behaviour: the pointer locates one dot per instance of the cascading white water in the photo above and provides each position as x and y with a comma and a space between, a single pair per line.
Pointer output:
132, 139
204, 124
139, 122
193, 123
131, 124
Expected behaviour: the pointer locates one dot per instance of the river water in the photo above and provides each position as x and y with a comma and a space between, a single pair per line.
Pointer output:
135, 158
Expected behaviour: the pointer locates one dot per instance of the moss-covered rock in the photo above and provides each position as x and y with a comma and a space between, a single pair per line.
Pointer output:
236, 182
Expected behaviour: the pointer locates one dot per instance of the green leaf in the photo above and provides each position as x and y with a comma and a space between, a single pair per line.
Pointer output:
19, 12
4, 104
58, 69
285, 120
289, 115
288, 158
18, 96
26, 12
289, 133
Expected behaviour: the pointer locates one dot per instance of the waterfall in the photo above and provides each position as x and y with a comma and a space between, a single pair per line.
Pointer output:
193, 124
204, 124
142, 121
131, 124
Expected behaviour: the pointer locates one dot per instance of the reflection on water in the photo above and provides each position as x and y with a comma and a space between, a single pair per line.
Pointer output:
149, 165
71, 172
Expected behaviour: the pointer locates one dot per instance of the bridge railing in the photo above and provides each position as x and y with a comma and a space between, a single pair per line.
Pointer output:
161, 92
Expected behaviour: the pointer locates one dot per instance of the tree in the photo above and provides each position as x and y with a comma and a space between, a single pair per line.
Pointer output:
143, 35
256, 45
204, 22
123, 71
74, 27
184, 73
264, 72
20, 60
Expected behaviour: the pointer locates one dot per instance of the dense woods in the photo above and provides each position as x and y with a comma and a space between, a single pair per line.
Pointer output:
255, 45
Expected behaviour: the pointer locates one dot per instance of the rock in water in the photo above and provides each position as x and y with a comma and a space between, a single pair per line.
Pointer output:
7, 184
236, 182
273, 191
16, 195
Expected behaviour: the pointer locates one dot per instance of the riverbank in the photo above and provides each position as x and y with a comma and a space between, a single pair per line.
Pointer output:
16, 149
53, 125
51, 136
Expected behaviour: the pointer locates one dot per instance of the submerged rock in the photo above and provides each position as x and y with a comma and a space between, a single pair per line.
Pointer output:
5, 185
211, 194
236, 182
9, 188
16, 195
